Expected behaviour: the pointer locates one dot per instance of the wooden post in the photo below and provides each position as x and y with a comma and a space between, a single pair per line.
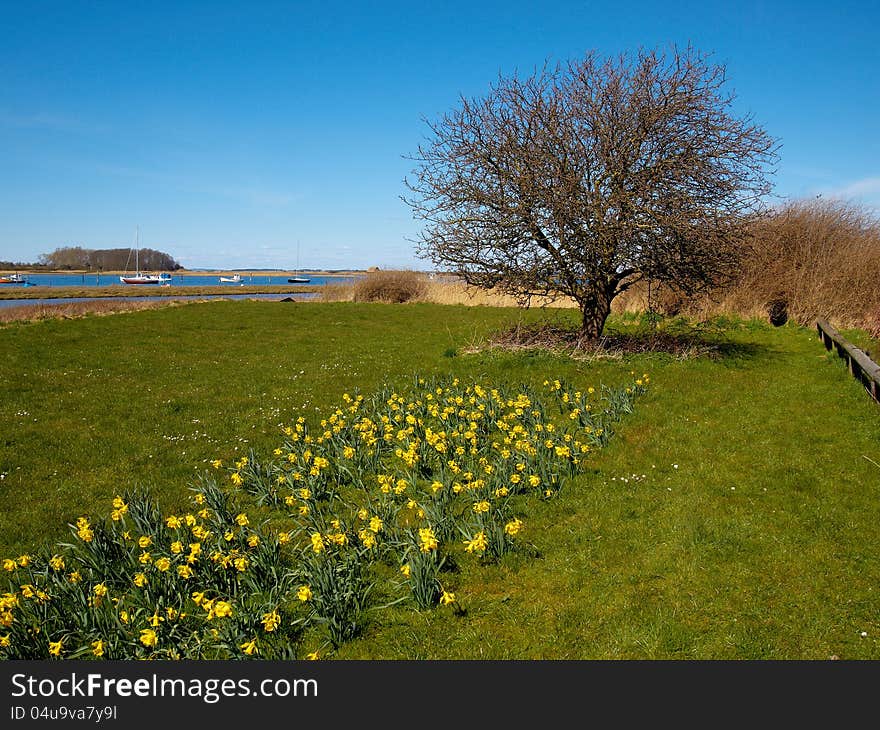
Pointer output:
859, 364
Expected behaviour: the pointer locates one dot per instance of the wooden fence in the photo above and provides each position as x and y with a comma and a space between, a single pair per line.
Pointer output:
861, 367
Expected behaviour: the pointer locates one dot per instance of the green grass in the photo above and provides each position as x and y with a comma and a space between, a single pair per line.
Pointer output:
734, 515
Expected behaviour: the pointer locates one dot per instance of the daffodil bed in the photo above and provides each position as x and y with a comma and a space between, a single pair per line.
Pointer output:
365, 508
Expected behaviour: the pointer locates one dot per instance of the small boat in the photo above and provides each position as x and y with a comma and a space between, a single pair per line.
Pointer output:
15, 278
155, 279
163, 279
234, 279
295, 279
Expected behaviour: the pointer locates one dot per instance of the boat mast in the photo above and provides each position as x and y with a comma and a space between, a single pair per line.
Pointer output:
137, 248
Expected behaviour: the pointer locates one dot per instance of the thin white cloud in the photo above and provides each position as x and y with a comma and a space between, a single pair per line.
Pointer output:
868, 189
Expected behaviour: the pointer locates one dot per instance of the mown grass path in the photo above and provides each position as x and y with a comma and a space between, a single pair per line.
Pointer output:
734, 515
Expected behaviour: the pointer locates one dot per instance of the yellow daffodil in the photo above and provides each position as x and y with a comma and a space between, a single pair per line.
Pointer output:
271, 621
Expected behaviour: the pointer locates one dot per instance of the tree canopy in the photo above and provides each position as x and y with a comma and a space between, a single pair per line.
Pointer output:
112, 259
586, 177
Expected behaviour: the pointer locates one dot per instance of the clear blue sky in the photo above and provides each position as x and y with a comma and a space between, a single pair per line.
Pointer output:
229, 131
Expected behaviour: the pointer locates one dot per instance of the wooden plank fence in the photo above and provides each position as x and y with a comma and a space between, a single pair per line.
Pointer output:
860, 365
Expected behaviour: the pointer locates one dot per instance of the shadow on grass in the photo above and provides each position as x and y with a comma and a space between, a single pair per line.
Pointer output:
678, 338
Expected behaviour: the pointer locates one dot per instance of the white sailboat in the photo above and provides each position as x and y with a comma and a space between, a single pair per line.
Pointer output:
296, 279
139, 277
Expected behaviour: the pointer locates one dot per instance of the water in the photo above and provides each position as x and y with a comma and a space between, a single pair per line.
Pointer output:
207, 279
68, 300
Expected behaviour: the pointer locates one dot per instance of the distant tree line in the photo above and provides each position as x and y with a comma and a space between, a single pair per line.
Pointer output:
111, 259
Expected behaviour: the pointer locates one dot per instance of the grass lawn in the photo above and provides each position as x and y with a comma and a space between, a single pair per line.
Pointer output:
735, 514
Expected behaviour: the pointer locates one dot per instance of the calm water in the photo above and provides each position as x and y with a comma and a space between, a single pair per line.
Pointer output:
206, 279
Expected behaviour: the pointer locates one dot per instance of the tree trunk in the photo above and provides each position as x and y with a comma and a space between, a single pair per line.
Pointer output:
594, 312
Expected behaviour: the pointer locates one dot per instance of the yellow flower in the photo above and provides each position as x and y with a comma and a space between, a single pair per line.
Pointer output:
185, 572
534, 480
304, 593
173, 522
100, 590
145, 541
376, 524
163, 564
236, 479
271, 621
348, 452
513, 527
24, 560
198, 597
405, 569
84, 530
482, 506
283, 538
148, 638
241, 519
4, 640
155, 619
241, 563
56, 562
304, 510
123, 616
478, 544
447, 598
253, 541
313, 656
98, 647
317, 542
9, 565
176, 547
367, 538
74, 577
427, 540
222, 609
249, 647
216, 463
144, 558
55, 647
140, 580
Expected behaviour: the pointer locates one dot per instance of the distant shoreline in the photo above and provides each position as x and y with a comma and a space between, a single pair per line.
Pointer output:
196, 272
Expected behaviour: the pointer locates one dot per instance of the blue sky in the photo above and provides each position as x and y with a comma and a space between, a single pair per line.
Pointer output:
233, 132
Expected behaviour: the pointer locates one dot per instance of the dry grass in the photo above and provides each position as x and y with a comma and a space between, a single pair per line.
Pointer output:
36, 312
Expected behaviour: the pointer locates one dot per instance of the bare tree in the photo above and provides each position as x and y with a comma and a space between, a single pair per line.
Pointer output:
584, 178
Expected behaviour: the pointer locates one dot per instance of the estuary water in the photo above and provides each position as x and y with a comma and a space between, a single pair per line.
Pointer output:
191, 279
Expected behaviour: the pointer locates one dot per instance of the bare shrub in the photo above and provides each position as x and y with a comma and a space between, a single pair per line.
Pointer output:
390, 286
813, 258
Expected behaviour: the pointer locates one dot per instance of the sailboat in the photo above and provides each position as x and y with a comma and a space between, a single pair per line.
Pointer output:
298, 279
139, 277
